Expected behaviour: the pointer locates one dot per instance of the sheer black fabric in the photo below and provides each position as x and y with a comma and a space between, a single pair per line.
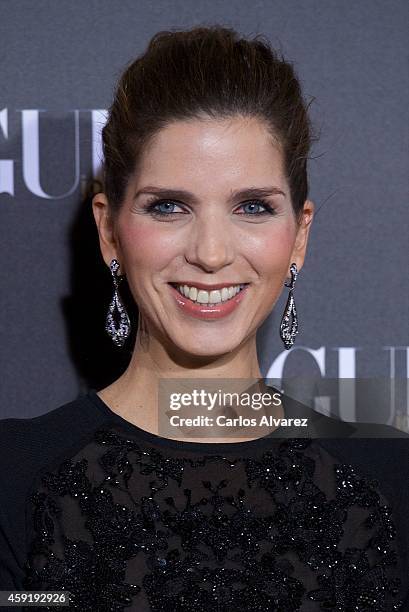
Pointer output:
125, 520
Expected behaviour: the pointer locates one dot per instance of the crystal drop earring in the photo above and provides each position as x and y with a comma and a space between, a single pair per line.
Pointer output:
121, 332
288, 330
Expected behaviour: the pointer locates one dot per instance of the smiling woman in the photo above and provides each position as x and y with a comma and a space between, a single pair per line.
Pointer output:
205, 212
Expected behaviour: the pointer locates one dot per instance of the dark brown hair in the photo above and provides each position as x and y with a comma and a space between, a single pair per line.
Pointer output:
205, 72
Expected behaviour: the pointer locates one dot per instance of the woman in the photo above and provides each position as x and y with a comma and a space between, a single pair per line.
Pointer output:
205, 212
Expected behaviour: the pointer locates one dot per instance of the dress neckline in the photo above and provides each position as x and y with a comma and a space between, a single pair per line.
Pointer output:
212, 447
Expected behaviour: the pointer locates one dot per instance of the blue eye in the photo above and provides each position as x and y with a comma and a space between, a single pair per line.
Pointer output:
162, 207
257, 203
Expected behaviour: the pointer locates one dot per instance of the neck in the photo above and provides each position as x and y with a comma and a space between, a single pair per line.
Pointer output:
134, 394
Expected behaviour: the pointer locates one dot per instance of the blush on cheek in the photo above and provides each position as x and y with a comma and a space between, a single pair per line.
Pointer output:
146, 245
276, 250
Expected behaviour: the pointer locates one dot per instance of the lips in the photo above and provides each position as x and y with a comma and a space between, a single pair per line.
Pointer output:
208, 311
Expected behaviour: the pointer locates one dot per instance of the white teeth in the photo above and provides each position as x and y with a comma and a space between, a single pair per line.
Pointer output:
192, 295
202, 296
215, 296
209, 297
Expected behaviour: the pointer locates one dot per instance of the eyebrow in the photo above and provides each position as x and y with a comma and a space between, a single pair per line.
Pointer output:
181, 194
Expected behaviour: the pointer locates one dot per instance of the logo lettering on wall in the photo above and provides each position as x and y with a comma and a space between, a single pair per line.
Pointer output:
31, 151
343, 403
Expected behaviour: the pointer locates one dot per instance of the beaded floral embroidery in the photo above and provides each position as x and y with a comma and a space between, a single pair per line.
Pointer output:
165, 532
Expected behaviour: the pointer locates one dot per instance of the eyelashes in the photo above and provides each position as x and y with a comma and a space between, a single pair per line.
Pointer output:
153, 208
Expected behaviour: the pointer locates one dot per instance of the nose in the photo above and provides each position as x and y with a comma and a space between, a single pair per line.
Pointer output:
211, 244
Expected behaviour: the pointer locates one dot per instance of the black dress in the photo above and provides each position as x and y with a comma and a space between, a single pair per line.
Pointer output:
126, 520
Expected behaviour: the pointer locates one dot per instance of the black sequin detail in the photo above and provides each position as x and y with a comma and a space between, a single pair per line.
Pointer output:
162, 531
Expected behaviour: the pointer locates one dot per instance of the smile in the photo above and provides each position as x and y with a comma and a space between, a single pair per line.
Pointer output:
213, 304
215, 296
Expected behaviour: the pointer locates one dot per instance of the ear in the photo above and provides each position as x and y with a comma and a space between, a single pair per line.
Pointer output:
301, 241
106, 229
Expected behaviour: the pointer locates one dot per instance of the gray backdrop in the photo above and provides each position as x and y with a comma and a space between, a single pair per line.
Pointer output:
59, 62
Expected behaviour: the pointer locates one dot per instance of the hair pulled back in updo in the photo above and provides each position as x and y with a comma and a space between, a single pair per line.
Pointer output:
205, 72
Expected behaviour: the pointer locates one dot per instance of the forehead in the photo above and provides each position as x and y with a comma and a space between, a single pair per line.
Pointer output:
198, 150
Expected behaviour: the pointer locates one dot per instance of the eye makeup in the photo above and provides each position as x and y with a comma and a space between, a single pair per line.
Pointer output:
153, 207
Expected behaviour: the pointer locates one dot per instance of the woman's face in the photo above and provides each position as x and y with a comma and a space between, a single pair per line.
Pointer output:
212, 231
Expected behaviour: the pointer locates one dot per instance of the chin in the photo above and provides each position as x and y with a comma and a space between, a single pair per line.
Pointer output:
207, 348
